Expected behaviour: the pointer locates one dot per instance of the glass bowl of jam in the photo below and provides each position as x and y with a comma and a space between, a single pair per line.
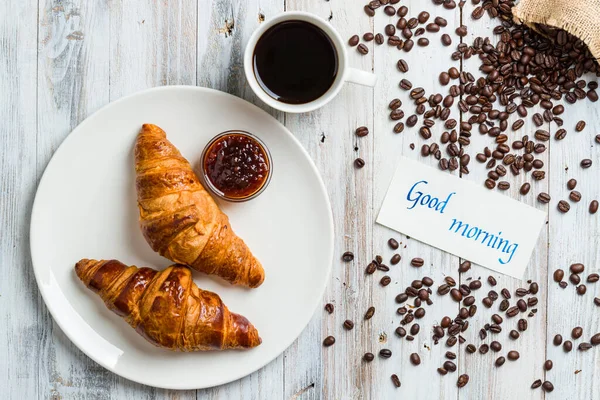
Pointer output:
236, 166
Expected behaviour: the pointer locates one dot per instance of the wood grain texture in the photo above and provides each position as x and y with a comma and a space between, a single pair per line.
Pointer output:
573, 238
62, 60
22, 317
328, 135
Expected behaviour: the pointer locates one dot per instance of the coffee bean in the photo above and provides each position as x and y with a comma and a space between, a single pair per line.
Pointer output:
495, 346
369, 11
417, 262
503, 185
595, 340
405, 84
389, 10
543, 198
520, 292
577, 332
580, 126
329, 341
525, 188
368, 357
547, 386
385, 353
368, 36
512, 311
484, 348
500, 361
560, 134
537, 119
471, 348
442, 371
548, 365
584, 346
464, 266
557, 340
423, 42
522, 325
415, 359
514, 334
390, 30
362, 49
542, 135
348, 256
462, 380
329, 308
558, 276
450, 355
446, 39
513, 355
402, 65
492, 281
567, 346
386, 280
379, 38
359, 163
353, 41
536, 384
563, 206
597, 139
577, 268
581, 289
504, 304
597, 301
461, 31
586, 163
370, 312
456, 295
361, 131
593, 207
449, 366
395, 380
419, 313
371, 268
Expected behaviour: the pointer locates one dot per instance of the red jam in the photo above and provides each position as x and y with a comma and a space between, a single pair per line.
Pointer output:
237, 165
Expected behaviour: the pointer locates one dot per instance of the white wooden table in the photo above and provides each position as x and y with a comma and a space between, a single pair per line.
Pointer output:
62, 60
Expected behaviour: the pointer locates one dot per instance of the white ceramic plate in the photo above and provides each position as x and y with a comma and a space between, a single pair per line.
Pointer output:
85, 207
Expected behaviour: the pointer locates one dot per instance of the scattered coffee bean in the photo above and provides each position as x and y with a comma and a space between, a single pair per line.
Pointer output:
370, 312
595, 340
484, 348
368, 36
368, 357
563, 206
464, 266
513, 355
348, 256
593, 207
329, 308
359, 163
548, 365
417, 262
580, 126
385, 353
402, 65
577, 268
581, 289
329, 341
379, 38
386, 280
543, 198
361, 131
362, 49
415, 359
558, 276
500, 361
353, 41
567, 346
462, 380
446, 39
547, 386
536, 384
557, 340
586, 163
348, 325
571, 184
522, 325
396, 380
514, 334
584, 346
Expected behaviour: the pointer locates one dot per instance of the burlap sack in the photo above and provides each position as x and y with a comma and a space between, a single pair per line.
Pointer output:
580, 18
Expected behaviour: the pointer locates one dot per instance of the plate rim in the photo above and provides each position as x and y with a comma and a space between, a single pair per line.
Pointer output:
47, 297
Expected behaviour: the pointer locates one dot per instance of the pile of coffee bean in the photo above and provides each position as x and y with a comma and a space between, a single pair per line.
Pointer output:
576, 270
526, 69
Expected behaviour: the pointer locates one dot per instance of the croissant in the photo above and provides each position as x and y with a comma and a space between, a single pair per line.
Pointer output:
166, 307
180, 220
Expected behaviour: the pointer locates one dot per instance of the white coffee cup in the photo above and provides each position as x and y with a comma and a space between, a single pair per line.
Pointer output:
345, 73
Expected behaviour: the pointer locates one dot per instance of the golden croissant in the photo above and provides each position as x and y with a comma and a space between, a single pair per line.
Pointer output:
166, 307
180, 220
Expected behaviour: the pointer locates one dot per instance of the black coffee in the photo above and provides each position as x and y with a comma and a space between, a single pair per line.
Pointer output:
295, 62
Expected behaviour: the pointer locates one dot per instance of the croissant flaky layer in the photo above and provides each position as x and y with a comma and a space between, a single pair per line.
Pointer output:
167, 307
180, 220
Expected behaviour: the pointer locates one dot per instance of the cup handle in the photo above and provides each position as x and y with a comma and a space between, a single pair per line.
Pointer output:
361, 77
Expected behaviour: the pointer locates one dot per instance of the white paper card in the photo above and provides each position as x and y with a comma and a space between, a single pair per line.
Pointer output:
461, 218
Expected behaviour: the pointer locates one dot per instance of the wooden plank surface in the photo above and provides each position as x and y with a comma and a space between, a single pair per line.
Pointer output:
62, 60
